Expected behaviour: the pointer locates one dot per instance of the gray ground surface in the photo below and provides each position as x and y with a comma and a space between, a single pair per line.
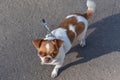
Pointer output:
20, 23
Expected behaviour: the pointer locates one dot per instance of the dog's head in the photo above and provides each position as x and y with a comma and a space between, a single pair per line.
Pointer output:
47, 49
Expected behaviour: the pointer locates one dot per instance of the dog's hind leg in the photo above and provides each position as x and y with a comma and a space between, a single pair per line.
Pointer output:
82, 37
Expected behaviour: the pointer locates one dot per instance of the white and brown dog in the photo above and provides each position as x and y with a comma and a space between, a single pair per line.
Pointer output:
52, 49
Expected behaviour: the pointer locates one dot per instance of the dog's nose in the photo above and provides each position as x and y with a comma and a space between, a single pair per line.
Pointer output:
47, 59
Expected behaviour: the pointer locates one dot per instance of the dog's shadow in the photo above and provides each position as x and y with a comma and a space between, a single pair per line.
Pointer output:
103, 40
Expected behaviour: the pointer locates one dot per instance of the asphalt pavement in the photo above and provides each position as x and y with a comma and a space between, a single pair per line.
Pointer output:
20, 23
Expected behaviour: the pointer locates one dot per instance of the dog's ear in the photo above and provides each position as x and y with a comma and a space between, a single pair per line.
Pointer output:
37, 43
58, 42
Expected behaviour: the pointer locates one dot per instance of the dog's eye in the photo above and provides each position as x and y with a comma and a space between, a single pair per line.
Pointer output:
42, 54
53, 55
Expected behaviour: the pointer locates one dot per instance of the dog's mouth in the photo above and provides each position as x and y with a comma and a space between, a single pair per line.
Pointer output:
47, 59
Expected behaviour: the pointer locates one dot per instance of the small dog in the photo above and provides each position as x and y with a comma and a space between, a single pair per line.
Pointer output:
52, 49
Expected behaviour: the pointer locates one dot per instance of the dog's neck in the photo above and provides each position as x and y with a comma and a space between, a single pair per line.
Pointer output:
49, 36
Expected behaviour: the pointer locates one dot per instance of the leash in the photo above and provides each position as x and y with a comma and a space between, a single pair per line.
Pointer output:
49, 34
46, 26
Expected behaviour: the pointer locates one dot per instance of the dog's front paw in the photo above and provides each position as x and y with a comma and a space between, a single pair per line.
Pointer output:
54, 74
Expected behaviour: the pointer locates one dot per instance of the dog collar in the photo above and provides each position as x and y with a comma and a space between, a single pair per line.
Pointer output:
49, 36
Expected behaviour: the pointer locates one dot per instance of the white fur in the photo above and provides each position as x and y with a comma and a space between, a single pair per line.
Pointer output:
91, 5
47, 47
43, 58
72, 28
61, 34
82, 36
69, 16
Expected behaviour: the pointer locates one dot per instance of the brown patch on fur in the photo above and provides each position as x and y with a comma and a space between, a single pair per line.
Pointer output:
71, 35
79, 27
65, 24
57, 42
86, 14
37, 43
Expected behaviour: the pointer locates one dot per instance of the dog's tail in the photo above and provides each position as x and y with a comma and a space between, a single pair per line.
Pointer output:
91, 9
